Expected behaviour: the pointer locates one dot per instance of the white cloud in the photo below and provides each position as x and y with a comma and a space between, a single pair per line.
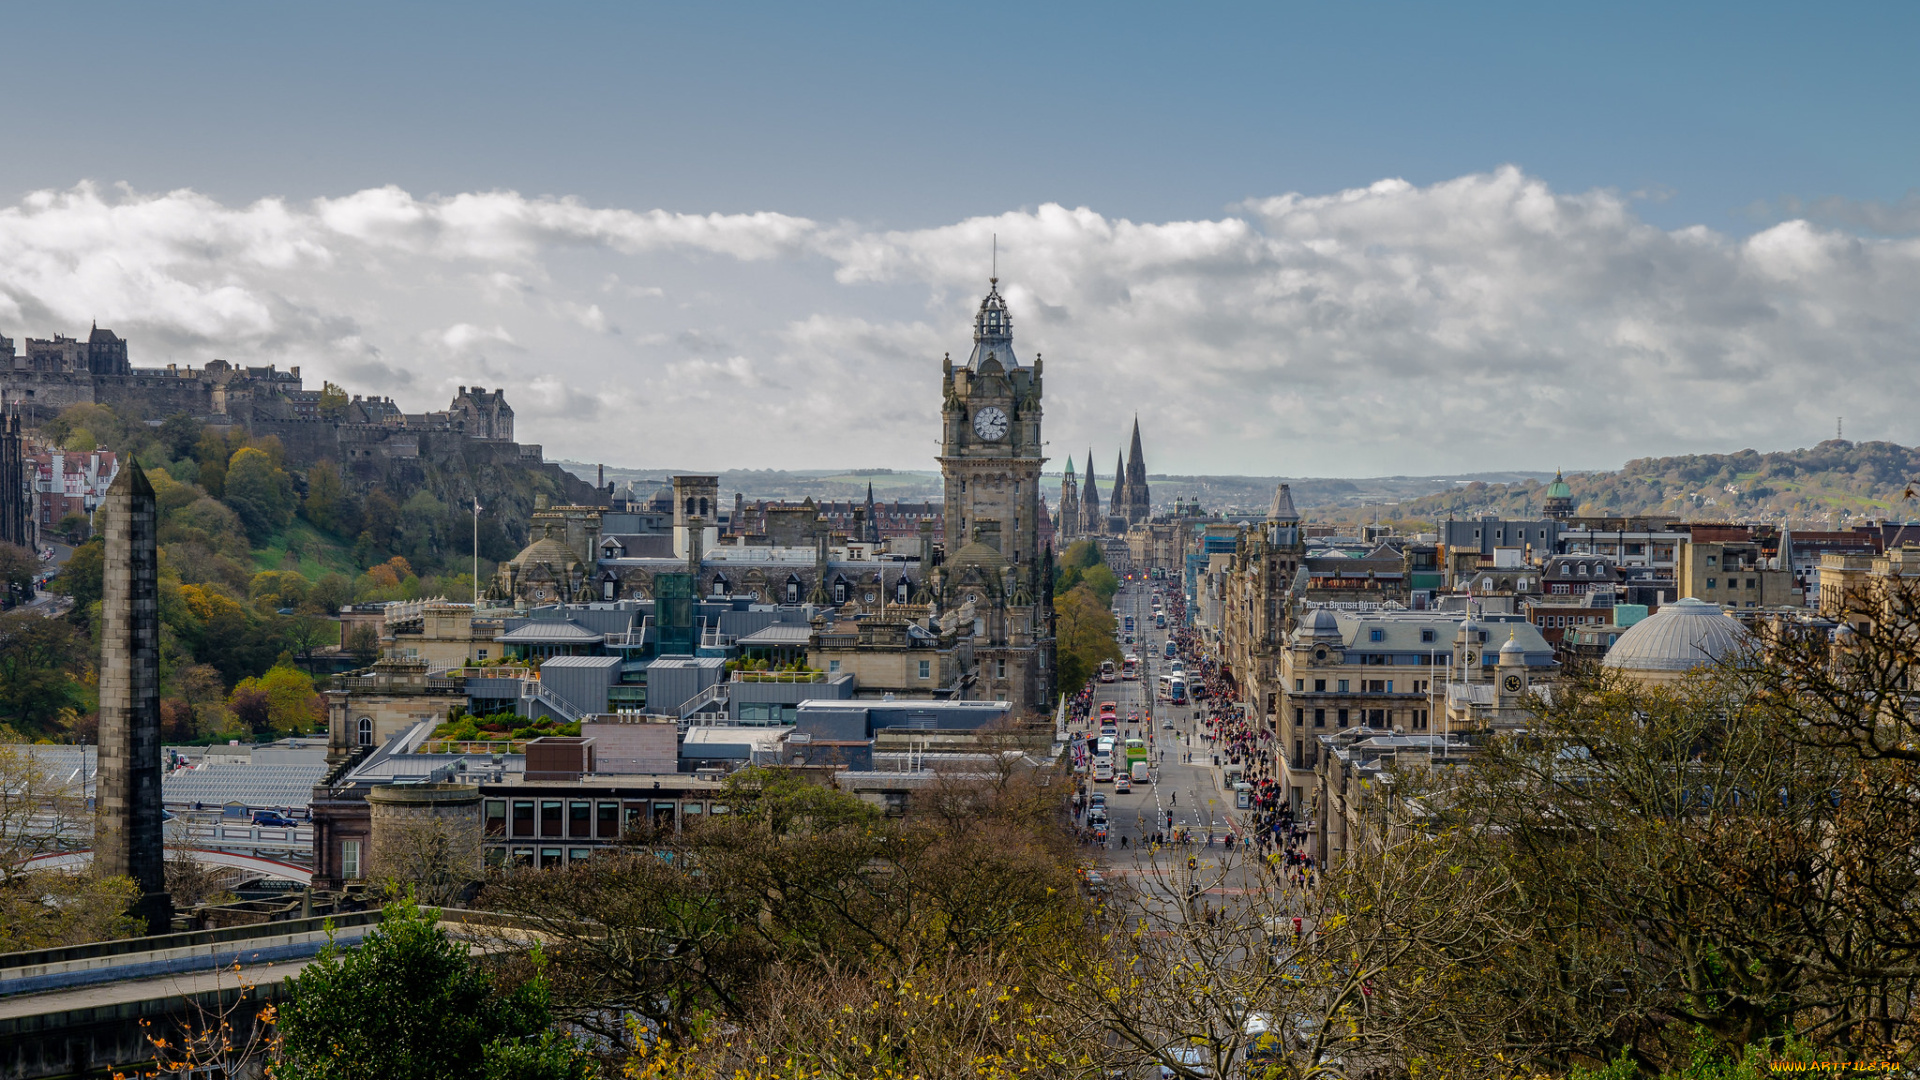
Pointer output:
1481, 322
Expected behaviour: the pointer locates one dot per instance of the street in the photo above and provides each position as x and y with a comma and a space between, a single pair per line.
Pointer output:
1185, 796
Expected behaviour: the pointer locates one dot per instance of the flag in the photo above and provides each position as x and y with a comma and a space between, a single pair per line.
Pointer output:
476, 504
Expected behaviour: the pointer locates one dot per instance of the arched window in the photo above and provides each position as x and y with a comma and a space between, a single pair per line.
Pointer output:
1583, 569
366, 731
1566, 569
705, 509
690, 506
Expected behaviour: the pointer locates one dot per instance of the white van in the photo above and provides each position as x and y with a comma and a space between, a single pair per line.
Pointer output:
1140, 772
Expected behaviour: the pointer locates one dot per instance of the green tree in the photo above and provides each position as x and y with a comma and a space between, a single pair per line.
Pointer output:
260, 492
326, 497
38, 660
1083, 563
178, 433
333, 401
332, 592
1084, 629
362, 643
409, 1004
83, 576
18, 568
291, 704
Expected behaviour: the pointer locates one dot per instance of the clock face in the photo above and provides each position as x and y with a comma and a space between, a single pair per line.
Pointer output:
1513, 684
990, 424
1471, 658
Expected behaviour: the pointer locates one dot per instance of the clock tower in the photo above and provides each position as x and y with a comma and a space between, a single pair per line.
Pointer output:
990, 458
990, 448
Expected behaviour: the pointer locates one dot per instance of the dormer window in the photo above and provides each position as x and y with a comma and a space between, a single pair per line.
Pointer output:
720, 585
840, 590
900, 592
793, 589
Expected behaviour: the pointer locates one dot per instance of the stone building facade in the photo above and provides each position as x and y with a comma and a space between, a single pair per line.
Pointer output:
991, 453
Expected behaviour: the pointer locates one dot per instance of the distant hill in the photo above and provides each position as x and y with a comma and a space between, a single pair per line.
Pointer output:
1832, 484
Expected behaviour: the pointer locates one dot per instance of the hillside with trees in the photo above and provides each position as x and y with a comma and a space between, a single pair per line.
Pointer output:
1829, 486
258, 551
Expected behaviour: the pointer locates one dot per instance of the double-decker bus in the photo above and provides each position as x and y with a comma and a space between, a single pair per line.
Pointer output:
1130, 668
1170, 650
1136, 751
1160, 621
1109, 713
1177, 689
1129, 626
1106, 671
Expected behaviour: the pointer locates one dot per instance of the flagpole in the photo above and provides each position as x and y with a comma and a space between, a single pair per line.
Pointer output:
476, 553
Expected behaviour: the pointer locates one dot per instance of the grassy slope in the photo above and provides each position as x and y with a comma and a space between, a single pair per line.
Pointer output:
320, 553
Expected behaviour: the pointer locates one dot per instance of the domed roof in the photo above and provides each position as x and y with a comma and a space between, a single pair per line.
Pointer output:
1512, 648
1679, 637
1319, 623
545, 551
1559, 489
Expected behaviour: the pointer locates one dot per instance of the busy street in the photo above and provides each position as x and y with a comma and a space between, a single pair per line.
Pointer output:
1206, 812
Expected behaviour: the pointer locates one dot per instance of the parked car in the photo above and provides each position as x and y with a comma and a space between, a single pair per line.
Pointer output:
273, 820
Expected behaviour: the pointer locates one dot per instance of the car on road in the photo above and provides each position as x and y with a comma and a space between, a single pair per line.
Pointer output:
269, 818
1122, 785
1166, 725
1098, 800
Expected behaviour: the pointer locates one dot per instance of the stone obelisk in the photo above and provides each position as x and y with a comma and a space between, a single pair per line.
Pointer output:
127, 836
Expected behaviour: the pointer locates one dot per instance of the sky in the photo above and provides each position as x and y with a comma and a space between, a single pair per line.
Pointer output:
1331, 240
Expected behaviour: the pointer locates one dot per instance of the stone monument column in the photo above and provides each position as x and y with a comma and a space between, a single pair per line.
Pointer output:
127, 837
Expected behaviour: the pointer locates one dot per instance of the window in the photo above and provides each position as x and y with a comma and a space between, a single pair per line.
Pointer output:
1343, 686
496, 817
550, 821
523, 817
1319, 718
1299, 685
366, 731
900, 592
1712, 582
793, 591
349, 859
833, 667
1319, 686
926, 669
549, 858
1376, 634
999, 669
1583, 569
840, 592
1342, 718
1566, 569
1749, 583
1299, 718
609, 821
579, 854
1426, 636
